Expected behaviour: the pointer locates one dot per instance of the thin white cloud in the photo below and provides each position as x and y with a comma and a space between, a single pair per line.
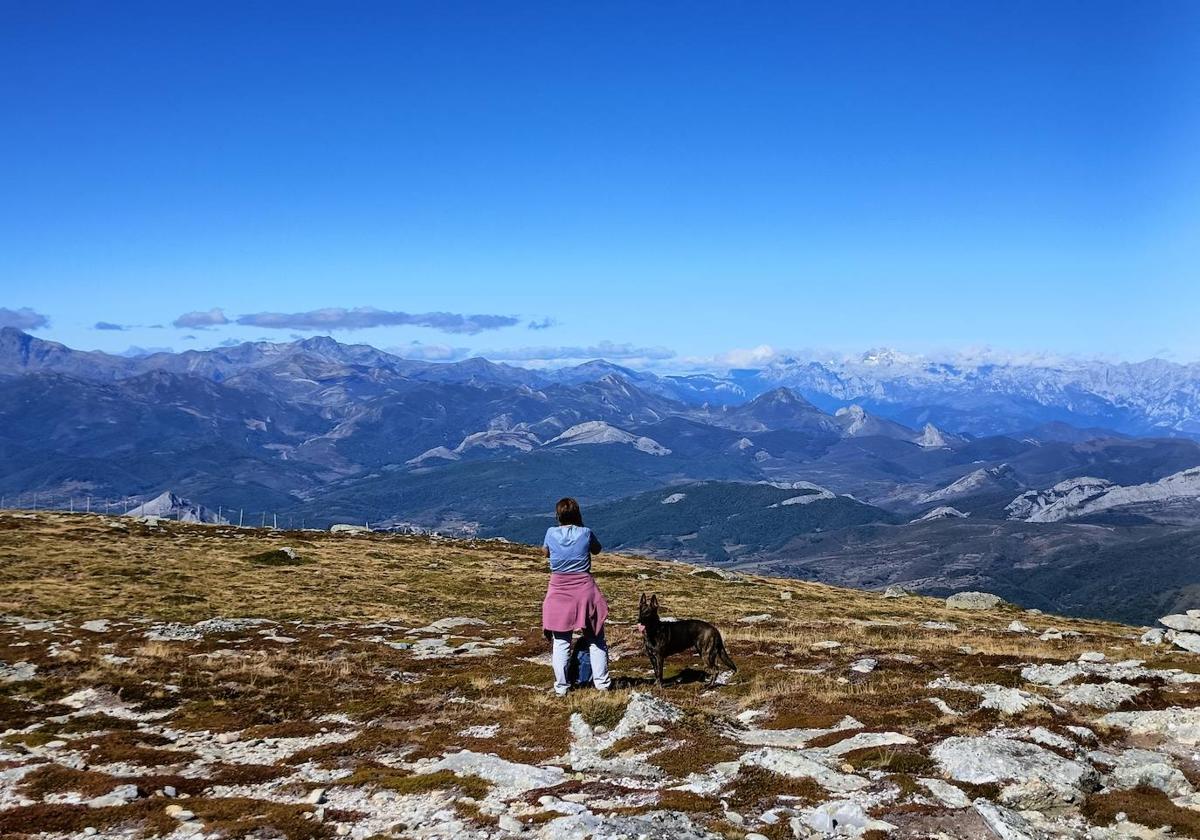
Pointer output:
421, 352
367, 317
601, 350
108, 325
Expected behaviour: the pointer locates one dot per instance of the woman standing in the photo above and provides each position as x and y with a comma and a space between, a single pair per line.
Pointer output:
573, 601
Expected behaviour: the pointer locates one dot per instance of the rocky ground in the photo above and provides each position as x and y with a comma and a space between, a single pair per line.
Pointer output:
175, 680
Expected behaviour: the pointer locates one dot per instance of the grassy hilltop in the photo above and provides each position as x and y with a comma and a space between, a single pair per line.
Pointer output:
357, 706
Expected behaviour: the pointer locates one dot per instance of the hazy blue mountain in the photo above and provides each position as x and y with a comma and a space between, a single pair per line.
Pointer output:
316, 432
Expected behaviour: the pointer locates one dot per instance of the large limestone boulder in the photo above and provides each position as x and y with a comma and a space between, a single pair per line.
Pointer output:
1186, 623
344, 528
989, 759
973, 601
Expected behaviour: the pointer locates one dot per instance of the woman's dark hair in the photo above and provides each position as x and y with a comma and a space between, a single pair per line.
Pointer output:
567, 511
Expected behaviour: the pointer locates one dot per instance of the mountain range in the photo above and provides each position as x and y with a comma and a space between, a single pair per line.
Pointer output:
817, 469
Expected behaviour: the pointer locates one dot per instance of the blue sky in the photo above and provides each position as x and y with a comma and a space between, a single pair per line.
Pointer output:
670, 183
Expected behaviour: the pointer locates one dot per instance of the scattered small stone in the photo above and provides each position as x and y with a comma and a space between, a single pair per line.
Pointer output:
1091, 656
117, 796
21, 672
828, 644
228, 737
510, 824
98, 625
1018, 627
943, 707
1152, 637
864, 666
315, 796
180, 813
755, 619
896, 592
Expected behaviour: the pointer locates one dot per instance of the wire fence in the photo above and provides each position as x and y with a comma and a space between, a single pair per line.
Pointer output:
232, 515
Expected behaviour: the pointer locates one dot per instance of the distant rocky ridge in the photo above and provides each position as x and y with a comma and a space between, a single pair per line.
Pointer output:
1079, 497
169, 506
319, 432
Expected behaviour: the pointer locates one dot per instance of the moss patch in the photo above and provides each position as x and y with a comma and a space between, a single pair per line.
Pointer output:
1143, 805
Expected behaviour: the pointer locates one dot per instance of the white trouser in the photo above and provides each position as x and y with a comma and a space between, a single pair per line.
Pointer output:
561, 657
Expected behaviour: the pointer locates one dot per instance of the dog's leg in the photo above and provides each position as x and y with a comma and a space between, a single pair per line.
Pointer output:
725, 657
658, 669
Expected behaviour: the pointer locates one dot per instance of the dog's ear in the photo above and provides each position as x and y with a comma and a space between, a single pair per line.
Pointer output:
654, 601
642, 602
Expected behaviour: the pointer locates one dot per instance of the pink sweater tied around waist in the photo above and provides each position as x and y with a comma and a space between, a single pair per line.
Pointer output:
574, 602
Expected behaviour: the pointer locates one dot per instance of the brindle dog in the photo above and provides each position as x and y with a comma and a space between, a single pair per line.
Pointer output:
665, 638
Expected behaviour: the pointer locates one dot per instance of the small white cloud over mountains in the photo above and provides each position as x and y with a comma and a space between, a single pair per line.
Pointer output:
23, 318
214, 317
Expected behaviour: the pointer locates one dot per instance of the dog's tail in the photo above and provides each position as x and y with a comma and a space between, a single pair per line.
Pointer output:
723, 655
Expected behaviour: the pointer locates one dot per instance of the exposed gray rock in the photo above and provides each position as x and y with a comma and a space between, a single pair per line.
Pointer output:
1109, 695
445, 625
1010, 701
1036, 795
973, 601
844, 818
1018, 627
1187, 641
986, 759
864, 666
1136, 768
587, 747
755, 619
1004, 823
1182, 725
119, 795
866, 740
656, 825
946, 793
896, 592
792, 737
20, 672
344, 528
1152, 637
1184, 623
797, 765
509, 778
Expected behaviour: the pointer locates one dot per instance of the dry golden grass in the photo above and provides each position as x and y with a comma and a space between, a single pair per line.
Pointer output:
79, 567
